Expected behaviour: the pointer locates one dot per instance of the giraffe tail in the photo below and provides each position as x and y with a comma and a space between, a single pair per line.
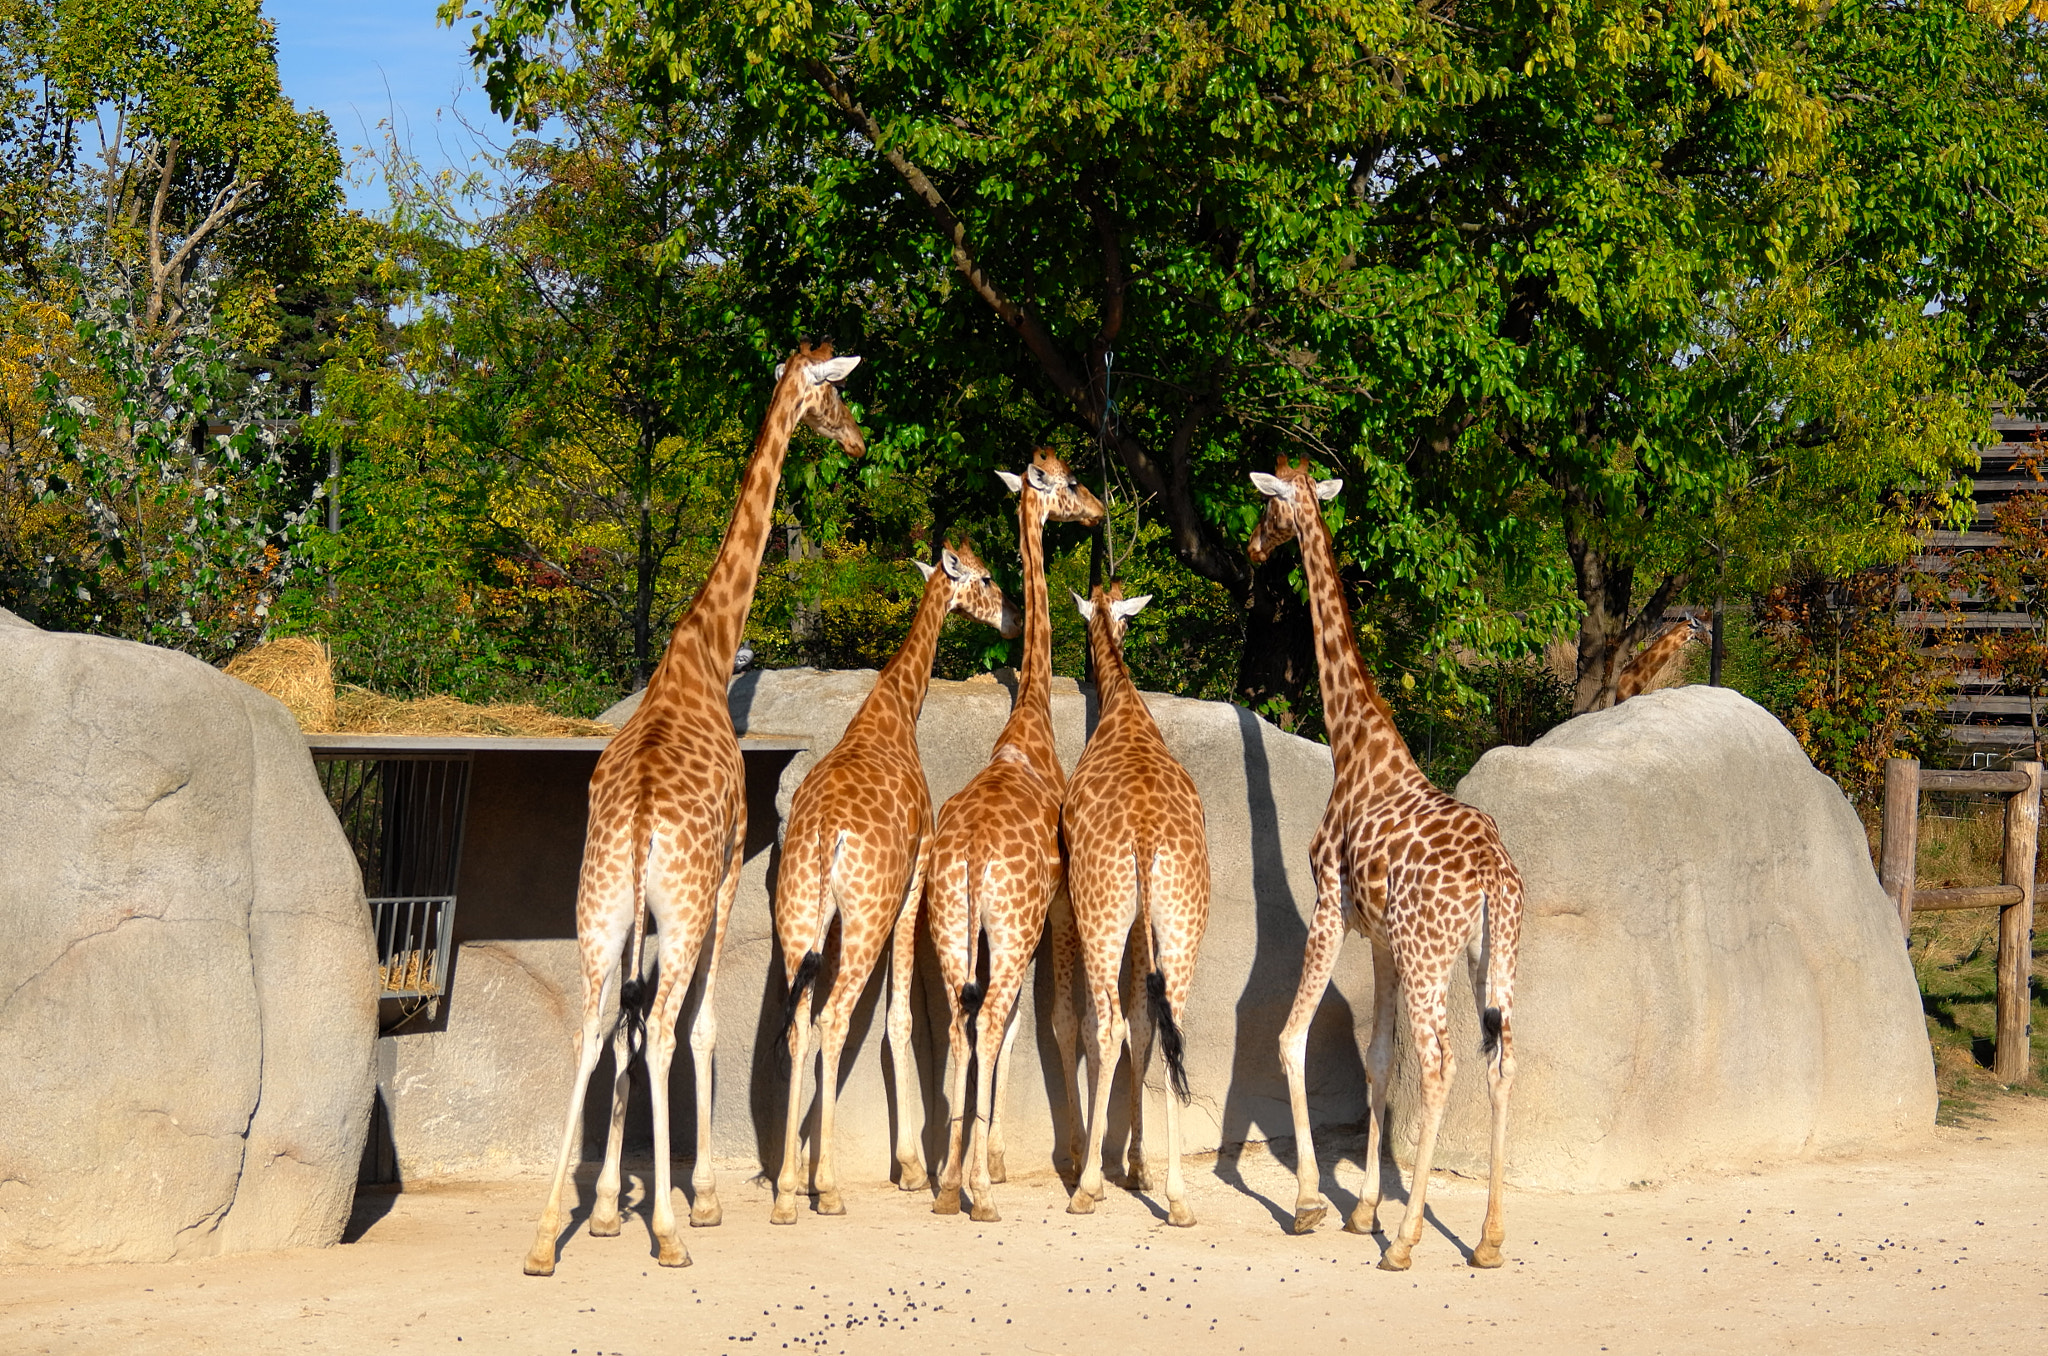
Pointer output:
1170, 1043
635, 997
827, 860
1489, 1013
973, 991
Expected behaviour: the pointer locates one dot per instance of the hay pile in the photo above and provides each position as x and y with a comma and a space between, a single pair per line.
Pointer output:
299, 672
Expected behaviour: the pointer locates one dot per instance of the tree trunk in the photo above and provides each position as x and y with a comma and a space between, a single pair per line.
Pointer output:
1607, 631
1279, 655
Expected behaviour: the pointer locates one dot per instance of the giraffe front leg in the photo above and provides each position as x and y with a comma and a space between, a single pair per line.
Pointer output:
704, 1209
1318, 962
1066, 1025
540, 1258
1140, 1034
910, 1174
1379, 1075
604, 1211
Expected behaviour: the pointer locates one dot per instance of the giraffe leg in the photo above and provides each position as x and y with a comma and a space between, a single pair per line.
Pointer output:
678, 964
857, 958
1178, 1212
704, 1210
1066, 1024
996, 1011
1002, 1098
1497, 963
910, 1175
1110, 1032
948, 1200
1141, 1033
1379, 1074
1426, 1017
604, 1212
790, 1179
1318, 962
540, 1258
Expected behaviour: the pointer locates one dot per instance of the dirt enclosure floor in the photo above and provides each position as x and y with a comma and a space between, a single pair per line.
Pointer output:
1937, 1247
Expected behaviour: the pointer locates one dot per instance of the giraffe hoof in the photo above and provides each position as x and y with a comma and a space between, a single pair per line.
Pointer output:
1486, 1256
673, 1254
914, 1179
1082, 1203
1395, 1259
830, 1203
947, 1202
1179, 1216
604, 1226
540, 1263
1307, 1217
1362, 1223
984, 1212
706, 1214
784, 1211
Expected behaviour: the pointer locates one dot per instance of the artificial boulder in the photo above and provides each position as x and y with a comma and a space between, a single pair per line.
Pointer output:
1710, 975
187, 977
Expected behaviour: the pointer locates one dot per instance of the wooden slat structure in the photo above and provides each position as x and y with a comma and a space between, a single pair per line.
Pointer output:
1904, 780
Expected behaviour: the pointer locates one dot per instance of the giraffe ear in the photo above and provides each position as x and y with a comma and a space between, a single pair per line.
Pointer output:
1087, 608
1273, 487
1040, 481
1015, 482
1326, 490
954, 569
832, 369
1123, 609
924, 569
779, 369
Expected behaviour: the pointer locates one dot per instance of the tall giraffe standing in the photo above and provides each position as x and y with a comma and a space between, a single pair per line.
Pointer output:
1419, 873
1648, 666
858, 837
996, 861
668, 819
1137, 870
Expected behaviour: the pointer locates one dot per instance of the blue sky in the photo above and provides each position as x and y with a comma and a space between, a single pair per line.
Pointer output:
363, 62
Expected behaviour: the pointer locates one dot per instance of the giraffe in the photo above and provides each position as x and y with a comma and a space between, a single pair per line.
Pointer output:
1137, 871
668, 819
1658, 655
1422, 875
858, 838
996, 862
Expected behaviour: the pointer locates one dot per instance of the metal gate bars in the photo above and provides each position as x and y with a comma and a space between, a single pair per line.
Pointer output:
404, 816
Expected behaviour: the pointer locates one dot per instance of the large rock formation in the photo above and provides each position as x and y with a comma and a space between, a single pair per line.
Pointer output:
1710, 974
187, 977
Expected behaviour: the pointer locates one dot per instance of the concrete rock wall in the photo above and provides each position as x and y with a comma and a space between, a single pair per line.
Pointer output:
187, 977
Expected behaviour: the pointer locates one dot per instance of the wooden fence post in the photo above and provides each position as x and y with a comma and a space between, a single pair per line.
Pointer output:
1899, 846
2013, 1055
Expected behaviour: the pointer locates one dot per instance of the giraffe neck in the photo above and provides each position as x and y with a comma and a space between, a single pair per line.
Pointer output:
898, 694
1361, 727
702, 647
1666, 645
1113, 686
1030, 725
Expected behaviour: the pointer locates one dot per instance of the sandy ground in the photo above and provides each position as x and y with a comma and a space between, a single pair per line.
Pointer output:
1939, 1245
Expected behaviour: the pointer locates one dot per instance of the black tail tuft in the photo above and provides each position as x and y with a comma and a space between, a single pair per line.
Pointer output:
806, 971
970, 1003
1489, 1029
636, 1000
1169, 1035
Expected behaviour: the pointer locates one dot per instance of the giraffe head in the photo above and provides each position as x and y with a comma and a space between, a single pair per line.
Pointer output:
1291, 494
810, 377
1061, 494
974, 589
1114, 610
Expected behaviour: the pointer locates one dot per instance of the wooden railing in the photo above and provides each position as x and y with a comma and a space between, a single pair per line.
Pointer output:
1904, 780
